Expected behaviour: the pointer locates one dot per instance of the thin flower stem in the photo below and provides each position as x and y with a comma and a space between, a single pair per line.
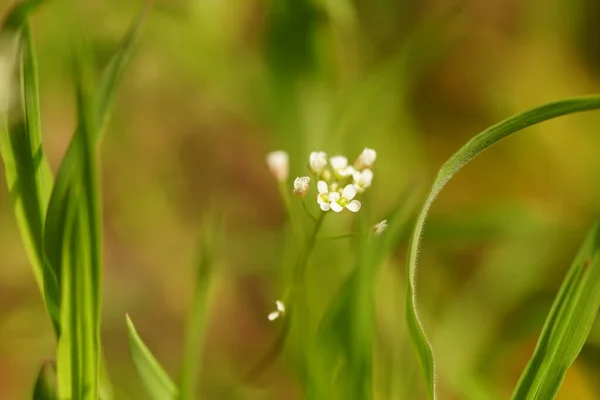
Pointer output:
342, 236
300, 268
312, 217
285, 196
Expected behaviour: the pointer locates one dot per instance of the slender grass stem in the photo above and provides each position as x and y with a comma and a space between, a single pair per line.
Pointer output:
295, 295
304, 206
300, 269
287, 202
342, 236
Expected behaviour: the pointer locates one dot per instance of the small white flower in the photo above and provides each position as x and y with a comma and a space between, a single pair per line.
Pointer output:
301, 185
339, 202
362, 179
379, 227
317, 162
280, 312
340, 166
366, 159
323, 196
278, 162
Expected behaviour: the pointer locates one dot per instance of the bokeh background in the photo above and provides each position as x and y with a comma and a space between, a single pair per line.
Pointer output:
215, 85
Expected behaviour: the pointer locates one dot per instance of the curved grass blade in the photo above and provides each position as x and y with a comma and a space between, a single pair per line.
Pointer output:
156, 381
469, 151
62, 194
567, 326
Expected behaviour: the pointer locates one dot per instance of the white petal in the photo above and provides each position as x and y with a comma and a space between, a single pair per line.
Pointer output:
322, 187
380, 227
323, 199
334, 196
301, 185
367, 176
338, 162
317, 161
347, 171
325, 206
354, 206
273, 316
367, 158
349, 192
298, 184
336, 207
280, 306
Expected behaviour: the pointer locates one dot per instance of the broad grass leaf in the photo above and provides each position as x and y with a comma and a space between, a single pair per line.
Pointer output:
567, 326
158, 384
469, 151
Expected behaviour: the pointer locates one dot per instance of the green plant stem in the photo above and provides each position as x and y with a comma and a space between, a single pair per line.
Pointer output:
295, 295
342, 236
312, 217
287, 202
300, 269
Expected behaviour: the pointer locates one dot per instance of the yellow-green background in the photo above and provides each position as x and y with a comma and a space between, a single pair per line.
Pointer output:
216, 84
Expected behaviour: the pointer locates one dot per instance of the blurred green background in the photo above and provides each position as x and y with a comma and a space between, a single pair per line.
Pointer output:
215, 85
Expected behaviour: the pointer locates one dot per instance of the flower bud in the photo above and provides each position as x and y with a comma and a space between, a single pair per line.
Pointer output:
366, 159
301, 185
317, 162
278, 162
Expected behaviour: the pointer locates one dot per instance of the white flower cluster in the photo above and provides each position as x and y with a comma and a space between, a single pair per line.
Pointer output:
338, 182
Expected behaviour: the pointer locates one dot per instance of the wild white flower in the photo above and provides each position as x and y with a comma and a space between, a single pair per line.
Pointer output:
366, 159
340, 166
279, 312
323, 196
379, 227
362, 179
278, 162
340, 201
317, 162
301, 185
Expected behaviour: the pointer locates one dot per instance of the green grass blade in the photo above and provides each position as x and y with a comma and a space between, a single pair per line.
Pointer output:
567, 326
79, 343
90, 238
115, 71
68, 357
474, 147
45, 384
156, 381
26, 169
196, 322
62, 194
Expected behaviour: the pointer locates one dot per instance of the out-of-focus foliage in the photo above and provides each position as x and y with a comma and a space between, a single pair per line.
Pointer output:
216, 85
